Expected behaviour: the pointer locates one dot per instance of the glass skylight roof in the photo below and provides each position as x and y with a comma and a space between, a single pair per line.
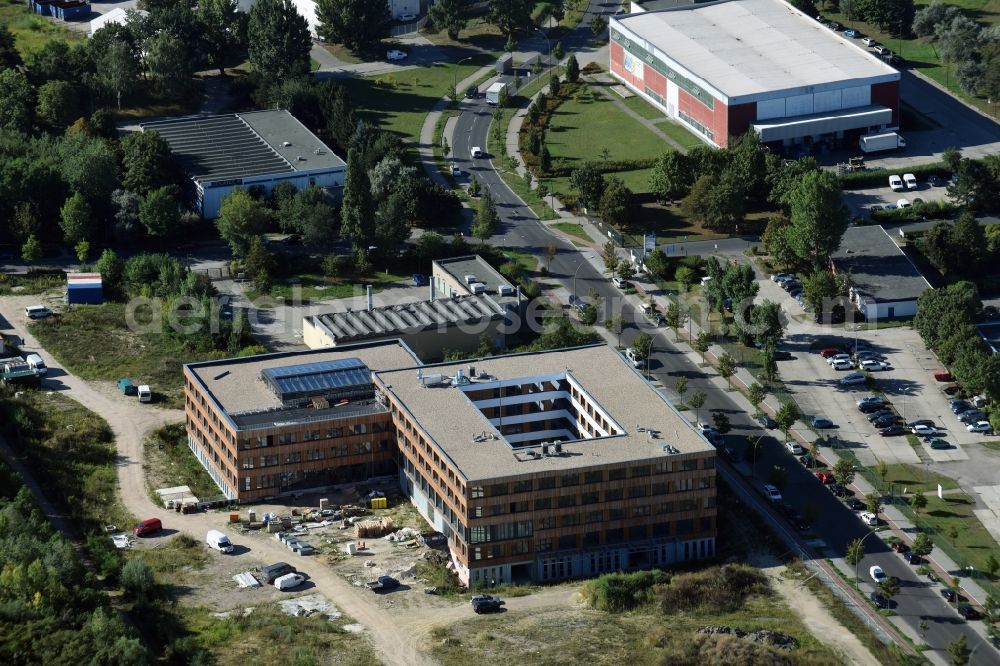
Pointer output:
298, 381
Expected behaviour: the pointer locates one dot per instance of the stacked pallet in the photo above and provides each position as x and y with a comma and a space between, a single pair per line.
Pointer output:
372, 529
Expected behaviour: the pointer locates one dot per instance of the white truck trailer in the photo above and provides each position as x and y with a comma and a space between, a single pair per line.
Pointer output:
494, 91
873, 143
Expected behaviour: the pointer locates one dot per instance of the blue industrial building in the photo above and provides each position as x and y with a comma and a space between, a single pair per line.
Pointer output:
84, 289
67, 10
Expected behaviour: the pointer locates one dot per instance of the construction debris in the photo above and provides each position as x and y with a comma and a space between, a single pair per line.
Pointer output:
404, 534
373, 528
246, 579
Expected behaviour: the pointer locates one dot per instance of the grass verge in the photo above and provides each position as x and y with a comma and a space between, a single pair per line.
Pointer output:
32, 32
308, 287
83, 338
572, 229
168, 462
35, 282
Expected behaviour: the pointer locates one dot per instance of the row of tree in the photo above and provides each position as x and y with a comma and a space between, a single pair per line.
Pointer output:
961, 41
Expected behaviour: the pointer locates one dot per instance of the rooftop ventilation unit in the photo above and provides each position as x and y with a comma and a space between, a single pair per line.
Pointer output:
286, 144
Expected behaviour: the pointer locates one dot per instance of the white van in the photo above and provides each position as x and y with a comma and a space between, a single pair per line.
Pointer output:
896, 183
219, 541
145, 394
910, 180
477, 151
37, 312
288, 581
633, 359
36, 363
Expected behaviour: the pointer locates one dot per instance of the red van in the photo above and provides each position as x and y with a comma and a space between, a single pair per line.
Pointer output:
148, 527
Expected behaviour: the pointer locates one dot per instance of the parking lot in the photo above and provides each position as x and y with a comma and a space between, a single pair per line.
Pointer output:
908, 385
860, 202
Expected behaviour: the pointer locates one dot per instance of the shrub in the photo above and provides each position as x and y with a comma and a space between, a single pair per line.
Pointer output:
716, 590
880, 177
619, 592
338, 265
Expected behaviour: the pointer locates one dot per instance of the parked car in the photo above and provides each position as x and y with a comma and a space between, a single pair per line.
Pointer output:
824, 477
968, 611
781, 276
871, 400
807, 460
148, 527
868, 41
870, 407
877, 574
938, 443
851, 33
772, 493
868, 518
289, 581
819, 422
869, 365
899, 546
621, 283
838, 490
878, 48
971, 416
884, 421
456, 171
838, 357
921, 422
951, 389
766, 421
896, 183
785, 277
923, 431
37, 312
980, 426
842, 364
407, 18
830, 351
949, 594
892, 430
853, 379
485, 603
127, 387
395, 54
383, 584
902, 203
910, 180
933, 181
730, 454
897, 60
958, 406
879, 599
874, 416
912, 558
854, 504
794, 448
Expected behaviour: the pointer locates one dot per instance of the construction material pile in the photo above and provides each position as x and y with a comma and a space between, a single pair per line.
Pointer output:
373, 528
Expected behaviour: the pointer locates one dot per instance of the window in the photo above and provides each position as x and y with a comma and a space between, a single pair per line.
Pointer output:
543, 545
708, 463
310, 435
590, 498
497, 510
636, 491
477, 492
642, 470
614, 536
705, 482
286, 438
594, 516
661, 530
521, 486
666, 507
685, 527
689, 465
520, 548
498, 490
613, 495
685, 484
593, 477
477, 512
687, 505
616, 474
518, 507
334, 432
477, 553
664, 467
570, 519
640, 511
570, 480
359, 429
566, 501
616, 514
547, 483
547, 523
591, 539
568, 541
543, 503
363, 447
659, 488
637, 532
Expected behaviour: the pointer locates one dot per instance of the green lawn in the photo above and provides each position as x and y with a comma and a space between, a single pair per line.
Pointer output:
308, 287
914, 478
400, 101
477, 32
663, 123
973, 542
31, 31
573, 230
920, 54
169, 462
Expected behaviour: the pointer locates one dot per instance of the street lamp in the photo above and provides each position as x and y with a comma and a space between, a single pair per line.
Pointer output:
583, 260
455, 85
857, 560
753, 465
549, 44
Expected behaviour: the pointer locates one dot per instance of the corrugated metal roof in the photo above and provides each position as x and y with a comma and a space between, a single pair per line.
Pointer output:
76, 280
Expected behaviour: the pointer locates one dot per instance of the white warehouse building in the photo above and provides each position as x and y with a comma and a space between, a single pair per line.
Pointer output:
251, 149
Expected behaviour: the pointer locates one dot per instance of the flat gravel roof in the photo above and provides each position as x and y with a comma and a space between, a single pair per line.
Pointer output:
452, 420
879, 268
746, 47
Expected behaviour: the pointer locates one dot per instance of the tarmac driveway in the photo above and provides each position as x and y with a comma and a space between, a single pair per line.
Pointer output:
859, 202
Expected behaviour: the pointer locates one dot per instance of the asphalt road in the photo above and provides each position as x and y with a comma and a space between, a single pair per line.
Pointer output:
837, 525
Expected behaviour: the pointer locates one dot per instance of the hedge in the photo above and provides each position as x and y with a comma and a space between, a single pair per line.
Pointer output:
876, 177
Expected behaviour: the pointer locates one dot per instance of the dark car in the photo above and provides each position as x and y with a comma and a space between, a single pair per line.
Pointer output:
838, 490
893, 430
871, 407
912, 557
971, 416
951, 389
782, 355
884, 422
879, 600
766, 421
897, 61
949, 594
485, 603
882, 413
933, 180
472, 92
854, 504
807, 460
730, 455
419, 280
959, 406
968, 611
899, 546
920, 422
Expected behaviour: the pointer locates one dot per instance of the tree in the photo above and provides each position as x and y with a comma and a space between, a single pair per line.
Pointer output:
487, 218
610, 256
918, 501
137, 579
17, 101
557, 50
721, 422
701, 344
82, 250
844, 472
892, 16
626, 270
357, 24
589, 182
75, 219
616, 202
222, 31
681, 386
786, 416
727, 368
598, 25
685, 277
672, 176
545, 160
147, 163
31, 251
112, 268
357, 208
642, 346
882, 470
696, 401
922, 545
674, 317
756, 394
855, 552
616, 325
927, 18
259, 261
446, 15
169, 63
873, 503
278, 40
748, 166
58, 103
889, 587
241, 218
160, 213
717, 203
970, 75
767, 324
818, 217
572, 69
958, 651
820, 289
118, 70
312, 216
510, 16
992, 565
